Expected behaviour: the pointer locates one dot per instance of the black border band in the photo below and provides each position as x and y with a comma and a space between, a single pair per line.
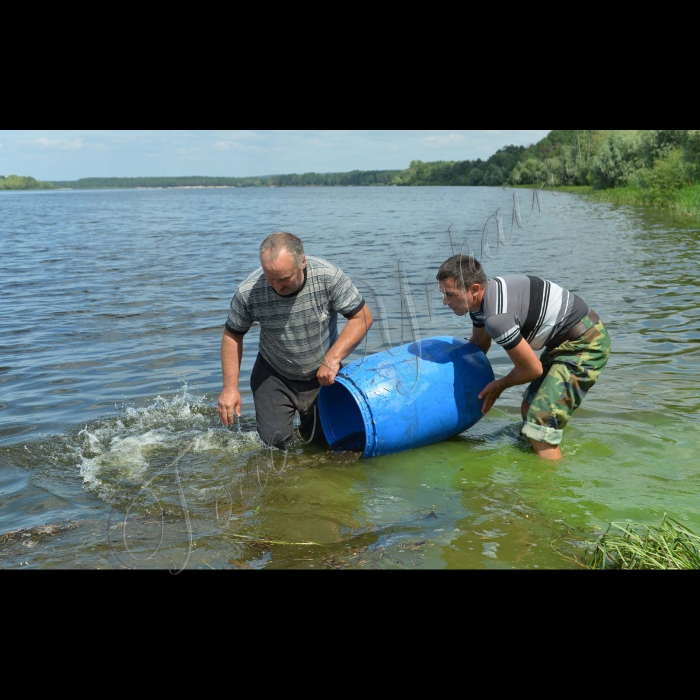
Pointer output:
233, 330
355, 311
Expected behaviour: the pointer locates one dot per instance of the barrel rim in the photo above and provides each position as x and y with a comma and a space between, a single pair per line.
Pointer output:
365, 411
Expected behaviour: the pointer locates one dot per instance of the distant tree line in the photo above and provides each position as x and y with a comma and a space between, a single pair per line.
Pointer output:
18, 182
356, 178
554, 156
472, 173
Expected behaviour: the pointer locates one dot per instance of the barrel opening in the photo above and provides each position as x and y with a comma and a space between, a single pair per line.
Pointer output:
342, 419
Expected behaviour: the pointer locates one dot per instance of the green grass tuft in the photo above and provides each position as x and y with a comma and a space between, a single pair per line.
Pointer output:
640, 547
685, 202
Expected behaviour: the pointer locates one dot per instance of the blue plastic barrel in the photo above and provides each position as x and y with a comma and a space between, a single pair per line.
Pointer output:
405, 398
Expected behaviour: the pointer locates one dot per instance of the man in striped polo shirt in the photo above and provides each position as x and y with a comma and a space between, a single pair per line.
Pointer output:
296, 300
525, 315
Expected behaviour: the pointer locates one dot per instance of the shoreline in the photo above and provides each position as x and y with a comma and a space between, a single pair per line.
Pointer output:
683, 203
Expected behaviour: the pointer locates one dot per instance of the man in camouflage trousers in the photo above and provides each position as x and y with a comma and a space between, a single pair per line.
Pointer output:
523, 315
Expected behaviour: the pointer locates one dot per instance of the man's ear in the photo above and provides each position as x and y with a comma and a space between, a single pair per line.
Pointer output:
303, 265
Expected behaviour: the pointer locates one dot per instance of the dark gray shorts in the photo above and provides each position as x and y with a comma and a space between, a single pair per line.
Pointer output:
277, 400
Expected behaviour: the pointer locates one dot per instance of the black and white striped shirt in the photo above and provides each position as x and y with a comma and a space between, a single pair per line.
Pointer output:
519, 306
296, 331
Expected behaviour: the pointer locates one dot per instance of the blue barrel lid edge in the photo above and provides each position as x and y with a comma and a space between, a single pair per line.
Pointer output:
368, 418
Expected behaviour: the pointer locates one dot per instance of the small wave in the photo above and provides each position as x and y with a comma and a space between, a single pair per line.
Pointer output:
124, 450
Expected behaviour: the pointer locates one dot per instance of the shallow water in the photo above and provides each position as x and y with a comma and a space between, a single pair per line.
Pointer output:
111, 455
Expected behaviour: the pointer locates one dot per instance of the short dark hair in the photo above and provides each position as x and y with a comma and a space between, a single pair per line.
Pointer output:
465, 269
280, 241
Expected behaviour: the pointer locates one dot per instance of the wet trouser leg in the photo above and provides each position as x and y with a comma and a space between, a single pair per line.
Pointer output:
277, 400
570, 372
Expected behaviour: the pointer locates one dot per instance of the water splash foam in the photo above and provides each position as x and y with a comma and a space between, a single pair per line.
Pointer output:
124, 449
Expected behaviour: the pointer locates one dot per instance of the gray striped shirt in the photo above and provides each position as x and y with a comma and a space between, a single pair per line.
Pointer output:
296, 331
518, 306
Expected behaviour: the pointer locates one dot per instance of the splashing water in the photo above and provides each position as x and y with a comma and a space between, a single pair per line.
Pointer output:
125, 450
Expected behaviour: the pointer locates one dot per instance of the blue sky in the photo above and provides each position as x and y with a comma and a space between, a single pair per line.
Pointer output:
50, 154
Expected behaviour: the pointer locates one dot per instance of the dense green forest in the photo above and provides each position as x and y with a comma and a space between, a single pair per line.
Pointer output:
474, 173
17, 182
652, 167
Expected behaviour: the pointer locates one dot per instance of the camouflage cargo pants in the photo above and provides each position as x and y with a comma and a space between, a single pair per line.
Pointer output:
570, 371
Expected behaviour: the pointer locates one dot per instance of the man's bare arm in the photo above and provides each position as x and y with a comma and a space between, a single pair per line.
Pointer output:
482, 339
231, 355
355, 330
527, 368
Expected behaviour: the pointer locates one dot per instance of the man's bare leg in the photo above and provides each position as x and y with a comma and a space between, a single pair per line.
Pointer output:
546, 451
543, 449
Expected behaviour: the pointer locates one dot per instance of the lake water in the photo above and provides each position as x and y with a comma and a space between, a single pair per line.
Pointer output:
111, 454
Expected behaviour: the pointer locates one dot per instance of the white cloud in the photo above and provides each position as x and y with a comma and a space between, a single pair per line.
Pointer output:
447, 140
235, 146
2, 145
61, 145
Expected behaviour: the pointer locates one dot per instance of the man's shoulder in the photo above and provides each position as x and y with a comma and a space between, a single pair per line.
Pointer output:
497, 286
500, 290
320, 265
320, 268
510, 280
254, 282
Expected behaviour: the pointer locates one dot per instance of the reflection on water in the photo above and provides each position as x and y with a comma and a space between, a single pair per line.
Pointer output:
111, 455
